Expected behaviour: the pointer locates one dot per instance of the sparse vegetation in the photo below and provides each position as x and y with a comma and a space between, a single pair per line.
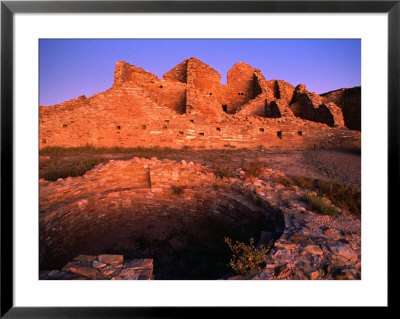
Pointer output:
246, 257
177, 189
86, 150
344, 196
255, 168
223, 171
229, 145
318, 204
56, 169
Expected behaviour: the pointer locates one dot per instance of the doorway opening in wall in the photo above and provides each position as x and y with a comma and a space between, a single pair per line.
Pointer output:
225, 108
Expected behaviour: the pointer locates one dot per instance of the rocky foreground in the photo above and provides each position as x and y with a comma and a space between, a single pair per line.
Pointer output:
312, 246
102, 267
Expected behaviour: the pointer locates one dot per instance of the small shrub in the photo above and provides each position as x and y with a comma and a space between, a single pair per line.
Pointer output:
255, 169
246, 257
223, 171
177, 190
318, 204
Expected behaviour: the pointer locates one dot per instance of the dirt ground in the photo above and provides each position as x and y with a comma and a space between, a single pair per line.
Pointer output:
340, 165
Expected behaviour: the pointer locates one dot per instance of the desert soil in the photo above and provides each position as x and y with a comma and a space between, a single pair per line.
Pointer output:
340, 165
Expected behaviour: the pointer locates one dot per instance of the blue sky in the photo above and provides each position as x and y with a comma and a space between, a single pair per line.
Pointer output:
70, 68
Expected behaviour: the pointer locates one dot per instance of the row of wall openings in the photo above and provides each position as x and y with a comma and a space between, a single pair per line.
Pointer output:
191, 121
300, 133
218, 129
225, 108
161, 86
202, 134
181, 132
240, 93
118, 127
261, 129
210, 94
279, 134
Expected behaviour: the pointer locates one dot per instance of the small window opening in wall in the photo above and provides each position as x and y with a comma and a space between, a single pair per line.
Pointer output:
144, 127
279, 134
239, 93
118, 127
181, 132
167, 121
65, 125
72, 121
44, 141
201, 133
218, 129
300, 133
164, 127
210, 94
191, 121
261, 129
225, 108
161, 86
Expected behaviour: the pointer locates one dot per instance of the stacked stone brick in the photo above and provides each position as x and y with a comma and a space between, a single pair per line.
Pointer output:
190, 106
349, 100
76, 214
102, 267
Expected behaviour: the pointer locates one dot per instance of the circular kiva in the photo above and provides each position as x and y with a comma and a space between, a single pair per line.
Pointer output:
176, 213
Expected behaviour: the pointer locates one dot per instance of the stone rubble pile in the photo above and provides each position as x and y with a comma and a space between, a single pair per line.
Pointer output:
313, 246
102, 267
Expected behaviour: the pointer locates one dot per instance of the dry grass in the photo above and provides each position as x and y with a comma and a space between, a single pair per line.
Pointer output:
319, 205
341, 195
255, 169
223, 171
54, 169
91, 150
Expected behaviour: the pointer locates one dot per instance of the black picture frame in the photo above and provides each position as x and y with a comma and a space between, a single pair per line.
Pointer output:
9, 8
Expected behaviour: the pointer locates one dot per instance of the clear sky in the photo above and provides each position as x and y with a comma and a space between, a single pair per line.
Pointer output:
70, 68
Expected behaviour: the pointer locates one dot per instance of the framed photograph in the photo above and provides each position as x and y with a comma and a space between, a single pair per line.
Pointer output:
166, 157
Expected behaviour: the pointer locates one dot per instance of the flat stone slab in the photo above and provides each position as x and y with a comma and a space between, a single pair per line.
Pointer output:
87, 258
111, 259
128, 274
103, 267
97, 264
342, 250
85, 271
139, 263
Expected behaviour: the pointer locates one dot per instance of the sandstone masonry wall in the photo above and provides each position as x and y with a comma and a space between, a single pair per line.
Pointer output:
189, 106
349, 100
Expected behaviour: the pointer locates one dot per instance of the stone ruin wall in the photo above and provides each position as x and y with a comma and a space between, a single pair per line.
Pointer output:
120, 197
186, 107
349, 100
131, 193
